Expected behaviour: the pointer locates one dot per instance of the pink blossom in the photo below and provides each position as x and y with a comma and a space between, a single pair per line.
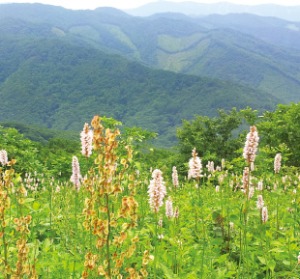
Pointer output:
195, 166
260, 202
251, 146
175, 177
156, 190
251, 192
169, 208
210, 166
246, 178
3, 157
76, 176
86, 137
277, 163
260, 185
264, 214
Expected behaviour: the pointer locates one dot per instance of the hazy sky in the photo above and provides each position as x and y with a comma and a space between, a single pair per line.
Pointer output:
128, 4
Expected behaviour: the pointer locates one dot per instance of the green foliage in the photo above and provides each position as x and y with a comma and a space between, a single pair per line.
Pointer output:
39, 133
21, 149
209, 239
215, 137
61, 76
217, 234
62, 86
51, 157
197, 46
280, 132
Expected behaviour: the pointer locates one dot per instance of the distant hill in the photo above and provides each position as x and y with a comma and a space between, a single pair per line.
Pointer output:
214, 46
290, 13
272, 30
59, 67
58, 85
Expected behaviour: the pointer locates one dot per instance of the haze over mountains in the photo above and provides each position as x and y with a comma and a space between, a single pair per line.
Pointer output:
59, 67
290, 13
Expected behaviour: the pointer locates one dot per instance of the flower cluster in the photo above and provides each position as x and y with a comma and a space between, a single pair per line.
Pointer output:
246, 179
3, 157
260, 185
195, 166
277, 163
86, 137
264, 214
169, 208
32, 181
22, 224
210, 166
260, 202
156, 190
110, 209
251, 192
76, 176
251, 144
175, 177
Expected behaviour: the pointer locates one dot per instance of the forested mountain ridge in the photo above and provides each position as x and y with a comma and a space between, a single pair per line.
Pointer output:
210, 46
275, 31
60, 67
59, 85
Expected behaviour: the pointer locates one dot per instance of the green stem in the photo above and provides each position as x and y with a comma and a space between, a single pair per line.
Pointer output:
241, 242
203, 249
50, 205
197, 205
108, 237
155, 244
277, 218
5, 252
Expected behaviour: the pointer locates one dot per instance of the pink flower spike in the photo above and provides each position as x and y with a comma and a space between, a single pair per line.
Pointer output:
175, 177
250, 148
277, 163
156, 190
76, 176
195, 166
86, 137
3, 157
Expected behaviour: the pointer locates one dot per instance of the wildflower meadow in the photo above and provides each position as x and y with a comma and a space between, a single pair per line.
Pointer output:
113, 218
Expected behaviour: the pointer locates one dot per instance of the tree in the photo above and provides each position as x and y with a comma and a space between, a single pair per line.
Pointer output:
217, 137
280, 132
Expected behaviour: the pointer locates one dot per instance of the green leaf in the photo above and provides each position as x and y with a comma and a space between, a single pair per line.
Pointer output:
271, 264
288, 263
168, 274
36, 205
46, 245
28, 200
262, 260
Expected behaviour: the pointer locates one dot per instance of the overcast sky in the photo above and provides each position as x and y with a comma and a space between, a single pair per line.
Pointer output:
129, 4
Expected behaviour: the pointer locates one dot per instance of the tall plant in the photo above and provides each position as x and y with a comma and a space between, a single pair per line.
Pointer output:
111, 209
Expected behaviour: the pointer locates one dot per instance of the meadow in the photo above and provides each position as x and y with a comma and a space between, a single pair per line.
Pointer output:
119, 220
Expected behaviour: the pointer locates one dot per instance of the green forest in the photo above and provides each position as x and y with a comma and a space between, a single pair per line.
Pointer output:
60, 86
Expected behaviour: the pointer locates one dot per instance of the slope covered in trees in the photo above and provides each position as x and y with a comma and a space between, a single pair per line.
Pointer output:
58, 85
217, 47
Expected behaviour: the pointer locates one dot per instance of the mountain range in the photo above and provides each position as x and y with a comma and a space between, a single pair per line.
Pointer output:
59, 67
190, 8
